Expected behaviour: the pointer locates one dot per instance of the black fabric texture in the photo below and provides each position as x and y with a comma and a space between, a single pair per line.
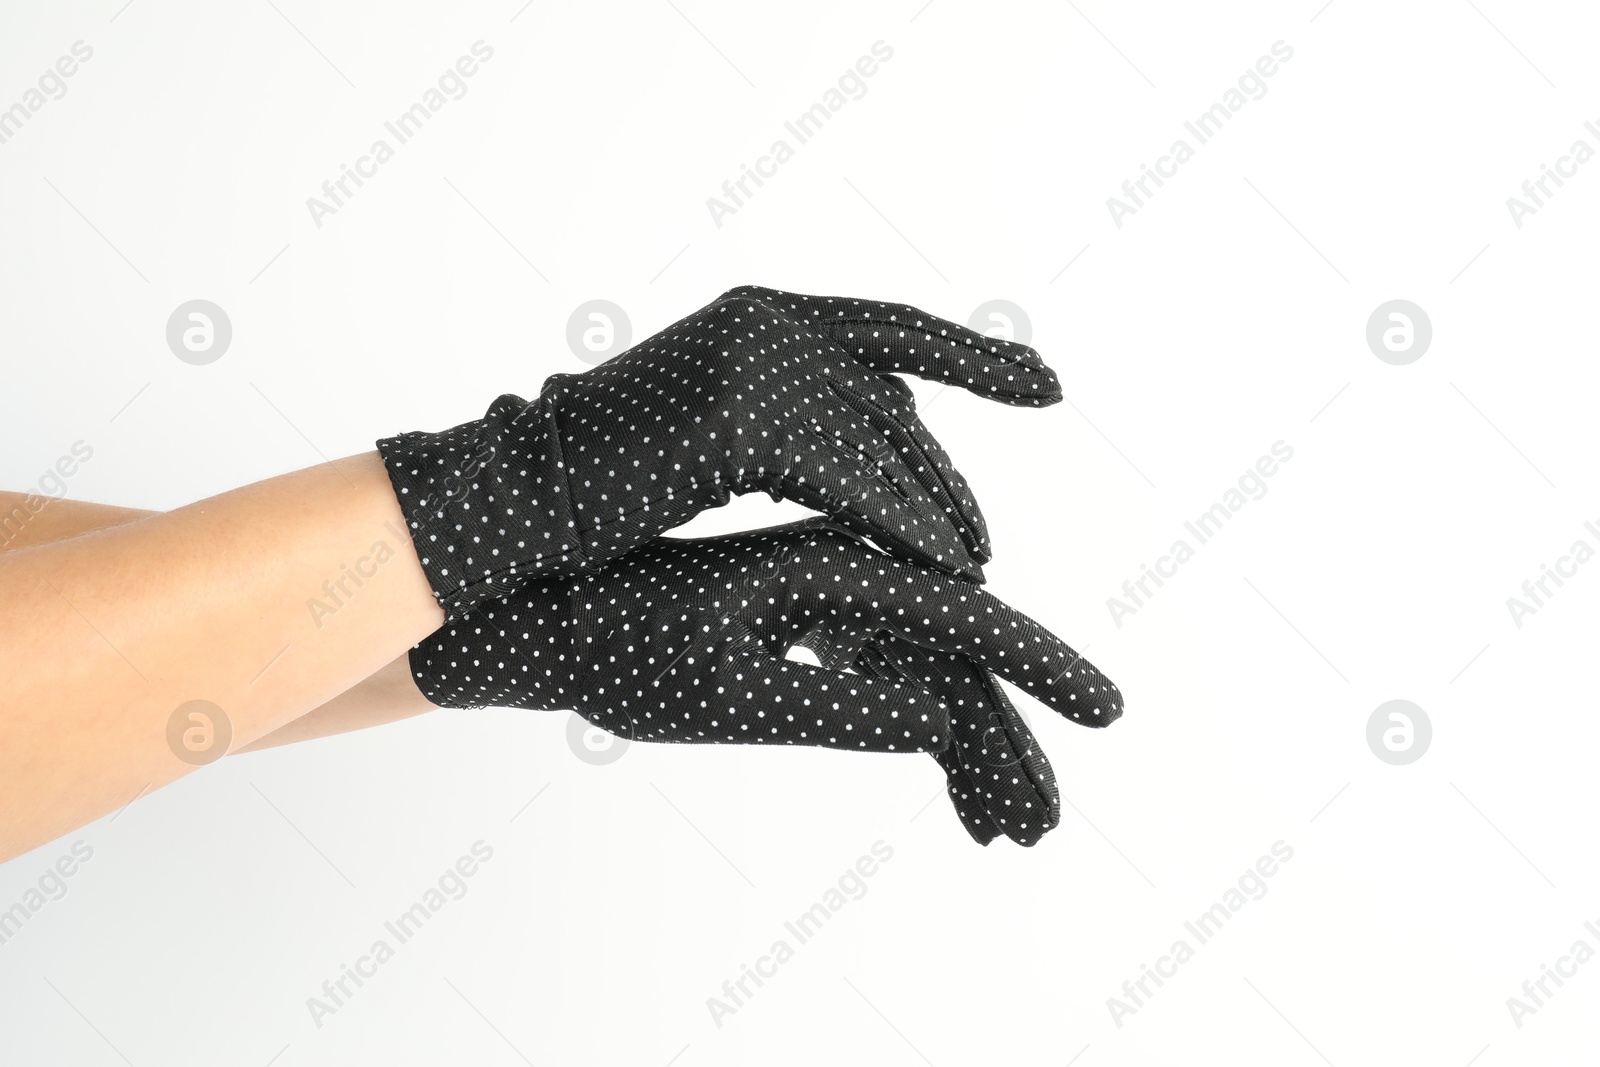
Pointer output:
760, 390
685, 641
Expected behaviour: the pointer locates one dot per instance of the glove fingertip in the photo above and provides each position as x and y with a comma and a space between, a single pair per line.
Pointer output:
1036, 386
1081, 693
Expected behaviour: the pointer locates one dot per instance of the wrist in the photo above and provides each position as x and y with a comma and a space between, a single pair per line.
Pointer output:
487, 502
513, 652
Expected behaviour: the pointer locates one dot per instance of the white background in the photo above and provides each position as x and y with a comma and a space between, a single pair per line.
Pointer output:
1227, 314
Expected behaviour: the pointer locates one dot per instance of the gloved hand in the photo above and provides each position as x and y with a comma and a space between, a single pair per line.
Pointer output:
996, 776
759, 390
685, 641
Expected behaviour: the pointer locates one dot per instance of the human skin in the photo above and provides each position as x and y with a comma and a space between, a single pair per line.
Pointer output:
388, 695
108, 631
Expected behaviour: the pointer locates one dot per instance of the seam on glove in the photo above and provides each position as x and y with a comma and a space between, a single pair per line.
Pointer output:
584, 560
928, 461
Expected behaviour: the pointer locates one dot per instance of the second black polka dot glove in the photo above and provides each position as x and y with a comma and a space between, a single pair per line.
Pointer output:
759, 390
685, 640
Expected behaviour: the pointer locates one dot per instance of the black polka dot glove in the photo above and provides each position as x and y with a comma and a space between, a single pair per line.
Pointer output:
997, 778
759, 390
685, 640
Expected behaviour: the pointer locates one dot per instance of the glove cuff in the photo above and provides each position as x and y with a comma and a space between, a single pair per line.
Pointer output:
511, 653
488, 502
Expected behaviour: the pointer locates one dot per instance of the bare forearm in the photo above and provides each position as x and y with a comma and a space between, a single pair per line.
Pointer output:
110, 631
386, 696
27, 519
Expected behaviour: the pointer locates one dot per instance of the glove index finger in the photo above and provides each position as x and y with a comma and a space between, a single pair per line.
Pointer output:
937, 612
898, 338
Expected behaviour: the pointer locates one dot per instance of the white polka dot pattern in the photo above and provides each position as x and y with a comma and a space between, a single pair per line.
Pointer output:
760, 390
684, 641
996, 775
